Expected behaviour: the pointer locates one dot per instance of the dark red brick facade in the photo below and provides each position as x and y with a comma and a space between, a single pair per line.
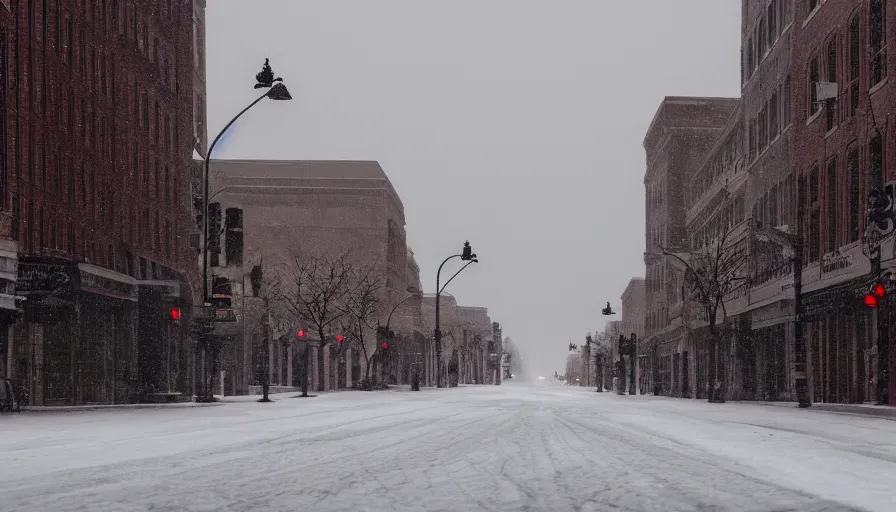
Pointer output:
100, 129
842, 148
102, 135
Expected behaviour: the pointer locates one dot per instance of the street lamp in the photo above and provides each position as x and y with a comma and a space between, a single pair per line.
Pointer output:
384, 334
465, 255
275, 91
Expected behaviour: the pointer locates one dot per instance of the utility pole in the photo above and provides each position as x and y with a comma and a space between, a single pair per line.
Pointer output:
799, 339
880, 211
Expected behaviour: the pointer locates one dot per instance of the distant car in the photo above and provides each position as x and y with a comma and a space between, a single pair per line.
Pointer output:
512, 375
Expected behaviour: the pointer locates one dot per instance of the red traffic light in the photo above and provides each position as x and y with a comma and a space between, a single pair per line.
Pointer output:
879, 290
175, 314
339, 338
301, 333
870, 301
385, 345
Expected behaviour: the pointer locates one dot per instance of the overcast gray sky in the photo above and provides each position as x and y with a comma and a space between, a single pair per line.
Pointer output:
516, 124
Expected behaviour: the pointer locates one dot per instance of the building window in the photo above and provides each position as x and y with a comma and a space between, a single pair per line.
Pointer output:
832, 206
82, 56
876, 161
814, 216
813, 80
854, 65
750, 57
852, 168
771, 16
761, 39
158, 122
785, 105
877, 40
40, 227
4, 122
832, 77
773, 116
763, 130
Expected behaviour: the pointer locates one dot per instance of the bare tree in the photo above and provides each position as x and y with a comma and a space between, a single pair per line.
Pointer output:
710, 275
314, 290
361, 306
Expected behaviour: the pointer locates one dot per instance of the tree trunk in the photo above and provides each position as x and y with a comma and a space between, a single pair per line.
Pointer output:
369, 372
713, 373
320, 362
724, 345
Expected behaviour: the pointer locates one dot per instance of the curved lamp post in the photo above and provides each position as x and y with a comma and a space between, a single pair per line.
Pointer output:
384, 333
465, 255
275, 91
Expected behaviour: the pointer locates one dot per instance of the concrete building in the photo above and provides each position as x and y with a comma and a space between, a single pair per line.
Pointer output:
678, 140
97, 143
468, 348
276, 212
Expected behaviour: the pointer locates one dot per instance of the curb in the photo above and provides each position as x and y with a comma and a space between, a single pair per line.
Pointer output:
125, 407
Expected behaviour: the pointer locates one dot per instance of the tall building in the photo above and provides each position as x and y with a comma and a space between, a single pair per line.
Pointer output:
843, 150
264, 215
94, 186
682, 132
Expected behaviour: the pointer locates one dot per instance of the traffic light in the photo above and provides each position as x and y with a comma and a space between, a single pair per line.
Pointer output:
175, 315
385, 347
301, 333
877, 292
339, 338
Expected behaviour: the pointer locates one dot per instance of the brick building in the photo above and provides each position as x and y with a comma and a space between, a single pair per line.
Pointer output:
680, 136
273, 211
632, 322
99, 133
805, 147
843, 148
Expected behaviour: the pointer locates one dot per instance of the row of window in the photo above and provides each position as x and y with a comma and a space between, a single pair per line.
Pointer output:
726, 215
724, 159
772, 119
44, 232
774, 20
71, 42
852, 61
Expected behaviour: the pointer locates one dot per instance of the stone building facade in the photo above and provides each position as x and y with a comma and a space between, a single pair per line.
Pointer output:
468, 348
681, 134
97, 145
273, 212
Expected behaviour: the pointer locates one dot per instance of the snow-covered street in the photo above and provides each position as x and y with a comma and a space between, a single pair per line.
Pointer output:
509, 447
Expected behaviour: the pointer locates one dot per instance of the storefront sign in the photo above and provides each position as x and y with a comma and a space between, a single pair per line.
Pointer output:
57, 279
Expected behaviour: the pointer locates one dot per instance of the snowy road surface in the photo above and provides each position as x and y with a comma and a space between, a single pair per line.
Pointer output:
510, 447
